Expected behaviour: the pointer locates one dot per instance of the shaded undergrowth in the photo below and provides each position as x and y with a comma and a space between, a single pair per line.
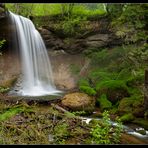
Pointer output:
44, 124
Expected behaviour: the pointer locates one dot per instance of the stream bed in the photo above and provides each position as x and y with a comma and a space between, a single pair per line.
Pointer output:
128, 129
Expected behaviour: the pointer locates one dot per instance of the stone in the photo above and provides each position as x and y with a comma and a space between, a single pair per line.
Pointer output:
79, 102
51, 40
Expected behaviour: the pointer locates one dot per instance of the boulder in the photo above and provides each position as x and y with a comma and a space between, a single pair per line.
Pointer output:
79, 102
75, 45
132, 105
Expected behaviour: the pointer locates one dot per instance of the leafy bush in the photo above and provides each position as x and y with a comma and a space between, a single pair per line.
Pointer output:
104, 102
104, 133
72, 26
132, 30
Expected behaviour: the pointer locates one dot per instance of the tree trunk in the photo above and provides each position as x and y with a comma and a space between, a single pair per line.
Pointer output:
146, 91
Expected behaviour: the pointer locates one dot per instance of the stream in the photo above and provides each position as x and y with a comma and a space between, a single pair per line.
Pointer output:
128, 130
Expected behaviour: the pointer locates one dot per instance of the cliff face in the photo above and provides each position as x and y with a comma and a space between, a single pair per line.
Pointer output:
95, 35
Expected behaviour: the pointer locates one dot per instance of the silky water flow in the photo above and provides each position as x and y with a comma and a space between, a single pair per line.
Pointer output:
37, 79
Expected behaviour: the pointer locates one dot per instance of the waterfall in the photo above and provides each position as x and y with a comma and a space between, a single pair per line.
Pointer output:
37, 79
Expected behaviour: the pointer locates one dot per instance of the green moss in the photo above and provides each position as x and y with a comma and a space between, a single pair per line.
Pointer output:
142, 122
127, 117
133, 104
88, 90
114, 89
11, 112
114, 110
61, 130
104, 102
134, 91
135, 80
97, 76
83, 82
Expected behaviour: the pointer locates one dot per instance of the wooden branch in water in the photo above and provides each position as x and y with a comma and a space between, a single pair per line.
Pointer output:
59, 108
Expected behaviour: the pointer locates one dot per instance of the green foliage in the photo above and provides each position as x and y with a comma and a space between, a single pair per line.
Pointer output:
112, 84
2, 42
141, 122
79, 113
133, 104
88, 90
4, 89
83, 82
114, 10
114, 89
104, 102
11, 112
63, 10
131, 24
97, 75
61, 130
72, 26
104, 133
127, 117
105, 58
85, 87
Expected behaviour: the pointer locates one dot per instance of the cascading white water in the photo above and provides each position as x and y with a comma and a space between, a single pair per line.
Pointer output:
37, 79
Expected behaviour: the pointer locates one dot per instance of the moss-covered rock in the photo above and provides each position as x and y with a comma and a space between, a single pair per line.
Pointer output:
79, 102
132, 105
88, 90
141, 122
114, 89
104, 102
127, 117
136, 80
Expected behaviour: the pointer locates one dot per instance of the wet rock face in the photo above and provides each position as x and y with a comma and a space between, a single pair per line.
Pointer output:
78, 102
78, 45
51, 40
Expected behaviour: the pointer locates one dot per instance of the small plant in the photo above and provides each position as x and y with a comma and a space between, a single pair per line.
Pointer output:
1, 44
4, 90
79, 113
104, 133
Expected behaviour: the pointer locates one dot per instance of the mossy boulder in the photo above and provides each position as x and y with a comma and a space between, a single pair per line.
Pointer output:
141, 122
127, 117
132, 105
79, 102
115, 90
104, 102
88, 90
